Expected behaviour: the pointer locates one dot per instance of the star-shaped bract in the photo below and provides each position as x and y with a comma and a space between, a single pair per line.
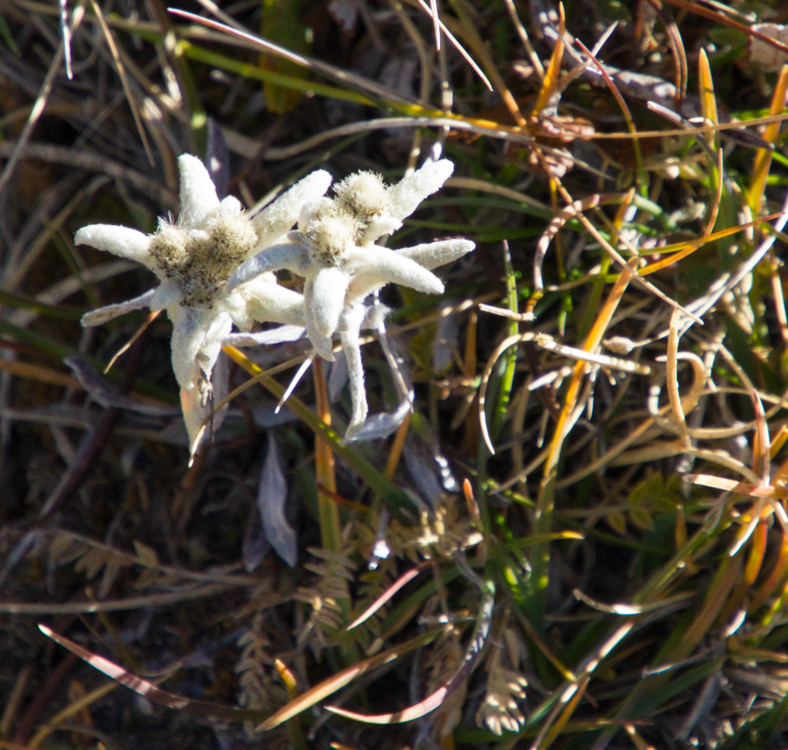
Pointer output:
194, 257
334, 248
334, 251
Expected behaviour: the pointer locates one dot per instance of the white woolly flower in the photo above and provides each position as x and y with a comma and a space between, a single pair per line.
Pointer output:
334, 251
194, 257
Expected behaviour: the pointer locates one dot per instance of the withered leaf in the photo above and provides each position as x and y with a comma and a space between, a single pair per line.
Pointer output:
271, 501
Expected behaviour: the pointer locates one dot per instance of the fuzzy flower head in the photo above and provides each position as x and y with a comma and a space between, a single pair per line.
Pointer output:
210, 239
200, 259
194, 257
359, 213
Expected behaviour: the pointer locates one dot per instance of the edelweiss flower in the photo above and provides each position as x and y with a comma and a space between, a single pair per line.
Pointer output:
194, 257
334, 250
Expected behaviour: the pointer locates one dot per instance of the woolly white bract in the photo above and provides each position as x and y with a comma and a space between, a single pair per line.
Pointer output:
194, 257
334, 251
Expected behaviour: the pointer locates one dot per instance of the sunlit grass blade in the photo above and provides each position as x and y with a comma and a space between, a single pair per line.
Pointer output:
345, 677
435, 699
294, 730
442, 26
148, 689
598, 284
247, 70
777, 574
627, 610
554, 725
123, 349
763, 157
708, 101
671, 366
396, 447
681, 250
403, 580
741, 488
752, 567
551, 76
677, 48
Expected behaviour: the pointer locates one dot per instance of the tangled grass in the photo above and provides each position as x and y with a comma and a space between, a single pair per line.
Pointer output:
577, 537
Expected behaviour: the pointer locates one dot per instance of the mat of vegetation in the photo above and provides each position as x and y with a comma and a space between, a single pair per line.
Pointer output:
483, 446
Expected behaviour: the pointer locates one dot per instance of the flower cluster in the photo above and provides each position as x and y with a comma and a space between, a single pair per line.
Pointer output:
216, 266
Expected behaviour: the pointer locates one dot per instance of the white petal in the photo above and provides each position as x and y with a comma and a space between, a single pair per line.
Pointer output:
406, 195
231, 206
322, 344
278, 218
110, 312
122, 241
287, 255
379, 227
434, 254
278, 335
376, 263
198, 193
265, 301
188, 335
195, 416
327, 289
217, 332
355, 369
353, 317
277, 305
236, 305
165, 295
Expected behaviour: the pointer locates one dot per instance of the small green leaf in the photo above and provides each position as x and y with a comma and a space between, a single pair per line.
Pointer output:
617, 522
640, 516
